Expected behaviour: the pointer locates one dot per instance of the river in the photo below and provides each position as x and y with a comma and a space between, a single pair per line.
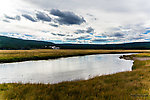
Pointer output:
63, 69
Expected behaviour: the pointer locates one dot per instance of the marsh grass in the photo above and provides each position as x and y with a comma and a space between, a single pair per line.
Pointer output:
44, 54
133, 85
118, 86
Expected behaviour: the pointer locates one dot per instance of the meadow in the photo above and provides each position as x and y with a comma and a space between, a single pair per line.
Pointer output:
131, 85
44, 54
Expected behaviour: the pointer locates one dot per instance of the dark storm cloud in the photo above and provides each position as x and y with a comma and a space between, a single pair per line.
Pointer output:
13, 18
57, 12
83, 37
53, 33
8, 17
66, 17
71, 39
99, 40
57, 34
80, 38
61, 34
90, 30
29, 18
118, 35
136, 38
6, 21
79, 31
42, 16
54, 25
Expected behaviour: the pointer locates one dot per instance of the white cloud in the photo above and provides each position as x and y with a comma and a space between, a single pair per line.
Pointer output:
112, 20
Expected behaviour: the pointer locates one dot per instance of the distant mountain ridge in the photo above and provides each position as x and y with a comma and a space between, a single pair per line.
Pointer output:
9, 43
134, 45
14, 43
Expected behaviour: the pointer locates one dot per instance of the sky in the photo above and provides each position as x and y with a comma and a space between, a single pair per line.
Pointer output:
76, 21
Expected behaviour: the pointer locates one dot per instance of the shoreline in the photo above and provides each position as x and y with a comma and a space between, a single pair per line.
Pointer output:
117, 86
130, 57
82, 79
9, 56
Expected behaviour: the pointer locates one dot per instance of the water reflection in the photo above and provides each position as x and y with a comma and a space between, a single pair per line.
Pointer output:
64, 69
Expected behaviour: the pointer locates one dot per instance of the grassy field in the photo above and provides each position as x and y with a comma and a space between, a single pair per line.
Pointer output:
43, 54
121, 86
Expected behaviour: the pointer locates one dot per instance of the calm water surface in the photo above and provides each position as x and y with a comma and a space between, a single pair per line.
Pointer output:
63, 69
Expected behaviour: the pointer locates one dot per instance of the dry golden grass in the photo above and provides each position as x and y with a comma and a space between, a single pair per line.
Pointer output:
118, 86
39, 54
134, 85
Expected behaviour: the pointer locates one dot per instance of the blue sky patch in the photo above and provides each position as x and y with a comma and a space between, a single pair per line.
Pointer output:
148, 31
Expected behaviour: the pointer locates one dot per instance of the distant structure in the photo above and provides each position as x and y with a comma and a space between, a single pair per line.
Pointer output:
52, 47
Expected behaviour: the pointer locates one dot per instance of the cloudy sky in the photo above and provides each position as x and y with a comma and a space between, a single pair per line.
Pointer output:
76, 21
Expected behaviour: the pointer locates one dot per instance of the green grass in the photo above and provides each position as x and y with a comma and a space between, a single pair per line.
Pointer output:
118, 86
142, 55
